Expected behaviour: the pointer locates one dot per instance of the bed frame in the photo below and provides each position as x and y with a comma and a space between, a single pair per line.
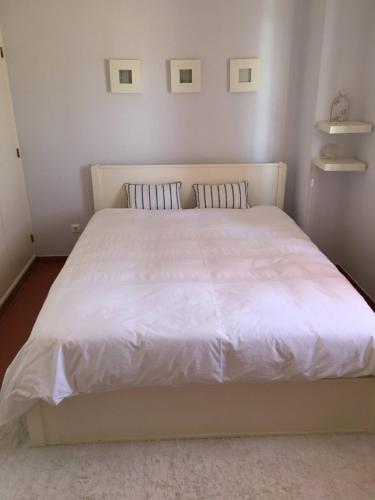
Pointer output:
266, 180
334, 405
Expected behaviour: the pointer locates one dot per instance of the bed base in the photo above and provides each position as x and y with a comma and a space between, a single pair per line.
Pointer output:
335, 405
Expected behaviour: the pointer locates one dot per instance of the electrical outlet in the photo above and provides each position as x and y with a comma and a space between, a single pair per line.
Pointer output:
75, 228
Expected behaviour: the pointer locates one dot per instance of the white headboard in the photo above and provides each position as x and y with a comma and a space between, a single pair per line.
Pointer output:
266, 180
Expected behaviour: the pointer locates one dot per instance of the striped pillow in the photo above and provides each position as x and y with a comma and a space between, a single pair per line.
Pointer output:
233, 195
154, 196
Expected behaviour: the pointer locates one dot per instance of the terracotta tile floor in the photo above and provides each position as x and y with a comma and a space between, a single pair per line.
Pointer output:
19, 314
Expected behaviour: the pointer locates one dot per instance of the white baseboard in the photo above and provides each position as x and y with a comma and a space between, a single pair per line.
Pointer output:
16, 281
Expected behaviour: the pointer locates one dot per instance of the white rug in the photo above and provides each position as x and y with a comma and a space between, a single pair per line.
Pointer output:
299, 467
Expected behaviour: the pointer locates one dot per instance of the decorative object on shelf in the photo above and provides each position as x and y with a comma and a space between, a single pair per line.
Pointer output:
244, 75
347, 127
125, 75
329, 151
186, 75
330, 160
340, 108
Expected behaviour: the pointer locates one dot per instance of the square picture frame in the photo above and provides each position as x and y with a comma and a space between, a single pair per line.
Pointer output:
244, 75
125, 76
186, 75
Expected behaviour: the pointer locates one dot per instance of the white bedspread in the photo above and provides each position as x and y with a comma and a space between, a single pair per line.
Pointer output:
190, 296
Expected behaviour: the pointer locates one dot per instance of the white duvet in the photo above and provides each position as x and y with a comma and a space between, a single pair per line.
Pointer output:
190, 296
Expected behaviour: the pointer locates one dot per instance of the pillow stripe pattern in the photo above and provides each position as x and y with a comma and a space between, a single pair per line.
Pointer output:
231, 195
154, 196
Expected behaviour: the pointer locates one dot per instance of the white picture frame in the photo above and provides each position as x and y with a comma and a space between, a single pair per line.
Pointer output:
125, 76
244, 75
186, 75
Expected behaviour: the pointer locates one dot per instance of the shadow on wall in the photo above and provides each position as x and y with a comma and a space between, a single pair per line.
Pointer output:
261, 123
53, 220
86, 188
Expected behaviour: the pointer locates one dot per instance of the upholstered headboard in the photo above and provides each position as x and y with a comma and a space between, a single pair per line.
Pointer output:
266, 180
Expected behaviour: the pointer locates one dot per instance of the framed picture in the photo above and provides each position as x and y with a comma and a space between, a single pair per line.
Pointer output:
125, 75
186, 75
244, 75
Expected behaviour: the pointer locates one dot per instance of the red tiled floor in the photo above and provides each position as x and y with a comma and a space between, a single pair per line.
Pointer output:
19, 315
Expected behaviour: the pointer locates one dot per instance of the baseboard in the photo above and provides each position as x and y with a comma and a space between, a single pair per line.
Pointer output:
51, 258
8, 295
370, 301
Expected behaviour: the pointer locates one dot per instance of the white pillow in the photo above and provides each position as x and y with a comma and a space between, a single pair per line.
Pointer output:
154, 196
232, 195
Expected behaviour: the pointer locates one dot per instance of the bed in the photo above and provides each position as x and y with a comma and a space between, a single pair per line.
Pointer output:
194, 323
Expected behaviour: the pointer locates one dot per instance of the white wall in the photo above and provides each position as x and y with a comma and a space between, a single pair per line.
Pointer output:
310, 49
335, 57
347, 24
358, 241
306, 75
68, 120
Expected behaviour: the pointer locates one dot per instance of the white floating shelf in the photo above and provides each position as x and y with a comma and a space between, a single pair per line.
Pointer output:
345, 127
340, 164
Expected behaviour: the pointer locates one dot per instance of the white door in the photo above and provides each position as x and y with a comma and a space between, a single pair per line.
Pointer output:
16, 248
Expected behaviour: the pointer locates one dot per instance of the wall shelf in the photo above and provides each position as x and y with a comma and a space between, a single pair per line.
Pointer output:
340, 164
349, 127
